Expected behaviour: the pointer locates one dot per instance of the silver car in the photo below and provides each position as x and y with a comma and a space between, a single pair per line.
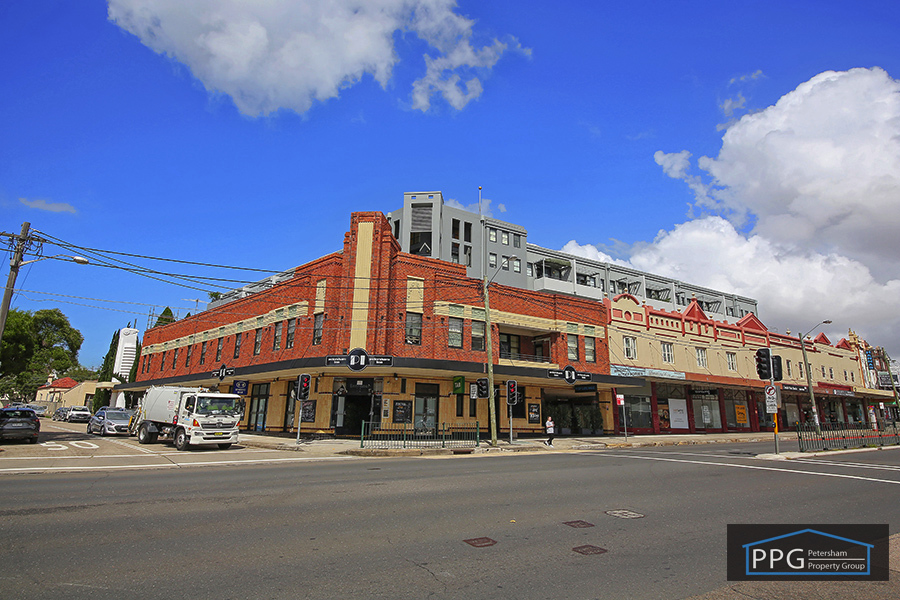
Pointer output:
109, 421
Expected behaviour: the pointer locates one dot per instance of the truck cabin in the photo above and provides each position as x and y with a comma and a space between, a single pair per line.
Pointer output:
214, 405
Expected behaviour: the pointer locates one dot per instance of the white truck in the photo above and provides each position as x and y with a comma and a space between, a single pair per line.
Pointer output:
188, 416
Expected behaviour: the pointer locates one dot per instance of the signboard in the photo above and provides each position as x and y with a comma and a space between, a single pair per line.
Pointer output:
794, 388
459, 384
240, 387
624, 371
534, 413
223, 372
569, 374
358, 359
402, 411
473, 391
678, 414
740, 414
707, 417
620, 399
586, 387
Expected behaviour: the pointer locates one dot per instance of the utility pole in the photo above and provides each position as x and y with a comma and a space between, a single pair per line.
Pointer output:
14, 263
492, 418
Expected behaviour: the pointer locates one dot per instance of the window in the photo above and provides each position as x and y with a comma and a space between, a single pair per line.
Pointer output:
454, 231
701, 358
257, 342
504, 238
492, 234
187, 360
668, 352
630, 346
219, 350
237, 344
414, 328
590, 354
467, 232
517, 265
788, 365
504, 264
454, 253
478, 335
162, 363
572, 341
845, 375
529, 269
203, 353
289, 340
276, 339
318, 325
830, 373
467, 254
509, 346
731, 359
852, 376
823, 371
517, 240
175, 358
492, 260
455, 334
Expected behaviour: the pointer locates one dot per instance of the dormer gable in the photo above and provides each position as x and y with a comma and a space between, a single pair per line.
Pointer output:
822, 339
751, 321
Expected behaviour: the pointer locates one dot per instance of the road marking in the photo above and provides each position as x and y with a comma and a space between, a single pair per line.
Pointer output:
170, 464
753, 467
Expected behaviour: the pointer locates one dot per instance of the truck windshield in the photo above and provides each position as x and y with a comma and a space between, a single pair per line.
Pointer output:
213, 405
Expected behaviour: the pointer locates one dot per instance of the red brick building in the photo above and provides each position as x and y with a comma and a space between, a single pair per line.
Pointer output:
390, 336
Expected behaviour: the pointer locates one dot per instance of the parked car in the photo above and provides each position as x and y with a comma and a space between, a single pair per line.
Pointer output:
19, 424
61, 412
78, 414
38, 409
109, 420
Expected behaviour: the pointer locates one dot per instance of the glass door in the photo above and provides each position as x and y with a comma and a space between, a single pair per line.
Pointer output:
426, 406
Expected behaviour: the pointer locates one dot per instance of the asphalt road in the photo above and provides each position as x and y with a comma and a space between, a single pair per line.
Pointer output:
398, 528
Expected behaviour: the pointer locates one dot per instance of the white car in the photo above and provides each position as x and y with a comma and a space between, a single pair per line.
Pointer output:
78, 414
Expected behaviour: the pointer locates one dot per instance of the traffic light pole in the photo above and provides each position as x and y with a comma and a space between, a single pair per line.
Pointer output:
492, 417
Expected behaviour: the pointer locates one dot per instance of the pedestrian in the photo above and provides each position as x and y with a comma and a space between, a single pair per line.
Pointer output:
550, 431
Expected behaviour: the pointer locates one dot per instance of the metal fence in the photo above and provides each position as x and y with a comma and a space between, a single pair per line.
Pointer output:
406, 435
838, 436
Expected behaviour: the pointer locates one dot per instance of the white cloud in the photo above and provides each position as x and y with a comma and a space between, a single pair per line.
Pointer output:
757, 74
291, 53
56, 207
729, 105
819, 169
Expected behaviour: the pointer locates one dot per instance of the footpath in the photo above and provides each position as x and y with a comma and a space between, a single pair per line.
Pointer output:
351, 447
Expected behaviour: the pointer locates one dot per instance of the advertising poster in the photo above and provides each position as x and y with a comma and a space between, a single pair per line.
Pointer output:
678, 415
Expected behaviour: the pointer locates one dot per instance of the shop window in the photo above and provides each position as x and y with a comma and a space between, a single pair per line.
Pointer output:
630, 345
276, 339
478, 335
701, 358
590, 352
455, 333
668, 352
257, 342
731, 359
414, 328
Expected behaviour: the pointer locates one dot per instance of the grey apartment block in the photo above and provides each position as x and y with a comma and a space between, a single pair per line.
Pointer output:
428, 227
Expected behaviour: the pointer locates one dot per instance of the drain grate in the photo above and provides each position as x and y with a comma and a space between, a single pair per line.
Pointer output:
587, 550
625, 514
482, 542
578, 524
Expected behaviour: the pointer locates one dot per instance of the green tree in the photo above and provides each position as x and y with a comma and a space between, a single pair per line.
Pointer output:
165, 318
18, 343
101, 396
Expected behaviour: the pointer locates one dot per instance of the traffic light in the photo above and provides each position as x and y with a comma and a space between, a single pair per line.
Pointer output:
482, 387
512, 391
303, 387
776, 367
763, 363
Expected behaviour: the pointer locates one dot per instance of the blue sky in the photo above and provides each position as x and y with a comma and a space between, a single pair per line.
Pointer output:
706, 140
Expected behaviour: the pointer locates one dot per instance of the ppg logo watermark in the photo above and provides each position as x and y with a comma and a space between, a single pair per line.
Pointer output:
808, 552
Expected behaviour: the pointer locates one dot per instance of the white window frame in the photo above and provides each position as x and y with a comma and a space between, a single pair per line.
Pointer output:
702, 362
629, 345
667, 350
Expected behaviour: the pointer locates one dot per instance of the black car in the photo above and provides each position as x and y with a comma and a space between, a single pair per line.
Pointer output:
19, 423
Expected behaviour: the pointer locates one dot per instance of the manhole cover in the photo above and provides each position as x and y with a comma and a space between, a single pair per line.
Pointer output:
625, 514
482, 542
588, 549
578, 524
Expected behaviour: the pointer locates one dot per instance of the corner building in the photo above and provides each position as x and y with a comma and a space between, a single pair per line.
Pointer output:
420, 326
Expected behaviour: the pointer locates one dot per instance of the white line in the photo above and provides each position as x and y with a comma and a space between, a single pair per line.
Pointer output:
812, 461
721, 464
171, 465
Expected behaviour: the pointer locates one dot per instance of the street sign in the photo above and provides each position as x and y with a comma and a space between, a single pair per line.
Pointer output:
771, 399
620, 399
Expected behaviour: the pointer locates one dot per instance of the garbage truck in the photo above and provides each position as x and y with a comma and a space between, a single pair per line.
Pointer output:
188, 416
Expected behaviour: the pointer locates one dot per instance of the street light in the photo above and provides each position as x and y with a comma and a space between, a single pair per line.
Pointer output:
808, 369
15, 262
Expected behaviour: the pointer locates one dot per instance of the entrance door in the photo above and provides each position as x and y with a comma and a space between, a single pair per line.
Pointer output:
426, 406
259, 404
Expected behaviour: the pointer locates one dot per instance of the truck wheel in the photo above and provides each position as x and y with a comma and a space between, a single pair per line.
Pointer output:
143, 434
181, 440
224, 446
